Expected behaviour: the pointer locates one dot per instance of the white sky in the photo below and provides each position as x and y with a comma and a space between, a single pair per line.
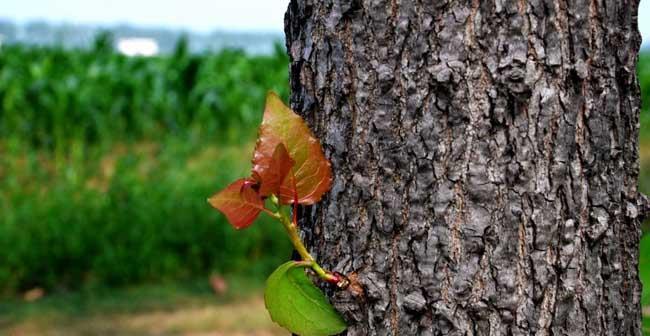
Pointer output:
196, 15
644, 21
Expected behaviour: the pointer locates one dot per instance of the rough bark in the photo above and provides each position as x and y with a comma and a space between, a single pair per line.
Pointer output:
485, 156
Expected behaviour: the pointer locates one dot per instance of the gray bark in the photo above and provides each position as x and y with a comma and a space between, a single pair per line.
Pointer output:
485, 156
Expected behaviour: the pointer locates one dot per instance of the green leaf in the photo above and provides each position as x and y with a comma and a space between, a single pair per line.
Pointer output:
297, 305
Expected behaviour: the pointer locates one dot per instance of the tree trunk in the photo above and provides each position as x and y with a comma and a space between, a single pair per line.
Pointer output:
485, 156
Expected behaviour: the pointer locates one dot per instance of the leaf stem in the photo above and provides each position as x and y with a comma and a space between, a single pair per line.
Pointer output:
292, 230
270, 213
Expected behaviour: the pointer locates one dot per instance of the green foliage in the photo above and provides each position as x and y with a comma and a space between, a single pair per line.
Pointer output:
644, 269
643, 71
106, 162
296, 304
132, 215
50, 97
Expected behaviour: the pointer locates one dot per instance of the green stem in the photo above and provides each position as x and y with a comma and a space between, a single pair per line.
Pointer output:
294, 236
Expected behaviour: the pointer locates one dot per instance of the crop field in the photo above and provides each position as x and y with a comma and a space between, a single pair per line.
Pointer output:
106, 163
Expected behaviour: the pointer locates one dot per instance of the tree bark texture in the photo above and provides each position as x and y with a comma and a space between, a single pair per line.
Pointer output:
485, 156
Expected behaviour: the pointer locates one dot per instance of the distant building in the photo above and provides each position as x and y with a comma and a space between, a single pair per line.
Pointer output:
138, 46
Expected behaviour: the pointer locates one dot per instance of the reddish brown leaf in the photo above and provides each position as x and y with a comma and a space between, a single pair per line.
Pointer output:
312, 175
239, 203
271, 171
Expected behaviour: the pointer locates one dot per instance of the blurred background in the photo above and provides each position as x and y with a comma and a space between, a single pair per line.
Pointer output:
117, 120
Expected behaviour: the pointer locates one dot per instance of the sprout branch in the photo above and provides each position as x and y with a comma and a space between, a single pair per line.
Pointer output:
291, 226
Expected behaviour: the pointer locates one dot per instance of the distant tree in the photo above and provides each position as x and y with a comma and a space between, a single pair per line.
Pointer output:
485, 156
104, 42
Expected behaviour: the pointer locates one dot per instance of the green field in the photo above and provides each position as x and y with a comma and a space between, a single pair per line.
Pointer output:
94, 194
105, 166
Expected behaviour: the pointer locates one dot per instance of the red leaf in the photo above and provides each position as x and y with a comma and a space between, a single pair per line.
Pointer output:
312, 171
270, 171
239, 203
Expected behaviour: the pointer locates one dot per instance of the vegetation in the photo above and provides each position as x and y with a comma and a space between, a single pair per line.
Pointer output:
106, 163
52, 97
289, 169
644, 80
182, 308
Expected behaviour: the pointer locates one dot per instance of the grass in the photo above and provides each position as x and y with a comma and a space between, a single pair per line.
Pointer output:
185, 308
136, 213
60, 205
